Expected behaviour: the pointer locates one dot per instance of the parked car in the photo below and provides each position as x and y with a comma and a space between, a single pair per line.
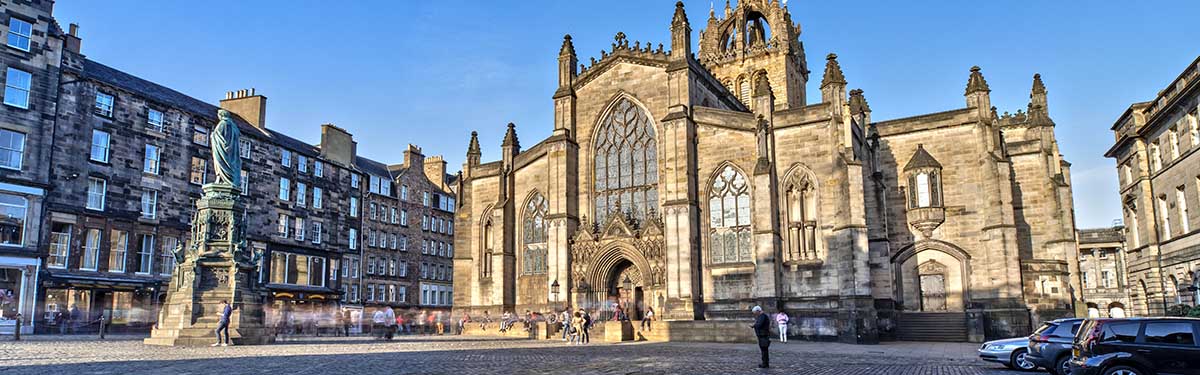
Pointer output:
1012, 353
1050, 346
1137, 346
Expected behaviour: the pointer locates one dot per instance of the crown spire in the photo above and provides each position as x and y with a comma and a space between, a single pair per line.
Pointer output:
976, 83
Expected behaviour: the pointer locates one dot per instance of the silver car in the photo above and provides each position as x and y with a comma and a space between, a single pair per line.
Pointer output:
1008, 352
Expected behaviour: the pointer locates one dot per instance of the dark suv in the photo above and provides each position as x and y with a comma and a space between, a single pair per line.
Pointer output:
1050, 345
1137, 346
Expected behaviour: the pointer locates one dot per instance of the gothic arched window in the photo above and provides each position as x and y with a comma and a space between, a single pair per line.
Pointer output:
534, 259
729, 218
485, 268
801, 213
626, 163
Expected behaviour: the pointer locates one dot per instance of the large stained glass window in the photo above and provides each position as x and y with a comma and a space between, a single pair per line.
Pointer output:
534, 259
626, 163
729, 218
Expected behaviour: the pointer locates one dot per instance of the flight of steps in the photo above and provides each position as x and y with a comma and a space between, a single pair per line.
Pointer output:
932, 326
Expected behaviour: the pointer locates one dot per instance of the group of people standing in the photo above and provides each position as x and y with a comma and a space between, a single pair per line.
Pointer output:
385, 323
576, 327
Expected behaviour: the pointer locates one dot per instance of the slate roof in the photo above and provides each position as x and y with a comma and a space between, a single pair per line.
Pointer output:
168, 97
372, 167
922, 159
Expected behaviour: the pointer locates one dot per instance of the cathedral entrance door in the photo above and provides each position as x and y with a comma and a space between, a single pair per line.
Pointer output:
625, 289
933, 292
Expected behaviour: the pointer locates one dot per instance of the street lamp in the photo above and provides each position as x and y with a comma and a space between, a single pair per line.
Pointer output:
554, 289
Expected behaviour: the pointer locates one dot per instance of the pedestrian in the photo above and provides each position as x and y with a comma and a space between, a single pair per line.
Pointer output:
389, 317
401, 324
441, 326
647, 319
781, 319
223, 311
577, 332
762, 330
587, 327
462, 323
73, 319
566, 323
377, 323
60, 320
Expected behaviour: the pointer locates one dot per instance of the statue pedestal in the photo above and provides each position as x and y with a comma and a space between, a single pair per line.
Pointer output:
215, 266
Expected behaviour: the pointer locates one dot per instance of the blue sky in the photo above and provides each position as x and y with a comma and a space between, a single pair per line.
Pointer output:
430, 72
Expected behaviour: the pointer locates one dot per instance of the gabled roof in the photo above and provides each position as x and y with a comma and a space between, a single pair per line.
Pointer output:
922, 159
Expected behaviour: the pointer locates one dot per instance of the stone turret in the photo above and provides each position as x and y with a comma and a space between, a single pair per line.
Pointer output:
681, 36
511, 146
1039, 112
833, 83
978, 94
473, 155
859, 108
566, 63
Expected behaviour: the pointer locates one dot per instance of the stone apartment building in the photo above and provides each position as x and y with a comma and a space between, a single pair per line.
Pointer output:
409, 208
1158, 167
701, 183
33, 45
1102, 270
100, 169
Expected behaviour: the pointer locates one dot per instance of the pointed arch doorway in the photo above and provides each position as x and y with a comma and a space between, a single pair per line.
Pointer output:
625, 288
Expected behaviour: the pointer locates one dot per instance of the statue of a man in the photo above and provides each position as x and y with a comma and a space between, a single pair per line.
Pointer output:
227, 160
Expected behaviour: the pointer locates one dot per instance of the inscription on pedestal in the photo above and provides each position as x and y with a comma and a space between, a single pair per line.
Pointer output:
213, 278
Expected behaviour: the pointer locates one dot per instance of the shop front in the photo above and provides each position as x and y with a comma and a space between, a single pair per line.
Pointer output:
18, 293
301, 310
76, 304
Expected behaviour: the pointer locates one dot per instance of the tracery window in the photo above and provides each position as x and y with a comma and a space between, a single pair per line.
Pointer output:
801, 211
534, 259
626, 163
729, 218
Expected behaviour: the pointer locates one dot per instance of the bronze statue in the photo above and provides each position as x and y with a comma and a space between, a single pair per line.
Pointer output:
227, 160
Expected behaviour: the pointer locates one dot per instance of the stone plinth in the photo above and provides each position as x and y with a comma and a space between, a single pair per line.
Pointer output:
215, 265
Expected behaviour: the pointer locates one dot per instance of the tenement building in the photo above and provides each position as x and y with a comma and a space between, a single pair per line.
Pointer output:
1102, 269
702, 183
416, 284
100, 170
33, 44
1158, 167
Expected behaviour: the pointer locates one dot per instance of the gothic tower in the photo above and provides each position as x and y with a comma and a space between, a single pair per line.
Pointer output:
756, 40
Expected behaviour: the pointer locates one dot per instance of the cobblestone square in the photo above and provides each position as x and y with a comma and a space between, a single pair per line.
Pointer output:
475, 355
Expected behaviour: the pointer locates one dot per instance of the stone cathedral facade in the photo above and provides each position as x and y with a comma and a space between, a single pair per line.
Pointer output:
701, 183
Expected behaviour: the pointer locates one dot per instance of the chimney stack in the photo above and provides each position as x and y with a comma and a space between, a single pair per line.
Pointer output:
72, 42
248, 105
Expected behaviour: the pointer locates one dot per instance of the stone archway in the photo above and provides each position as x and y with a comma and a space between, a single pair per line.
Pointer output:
602, 257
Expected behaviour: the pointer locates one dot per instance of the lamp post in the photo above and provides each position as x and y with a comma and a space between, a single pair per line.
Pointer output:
554, 291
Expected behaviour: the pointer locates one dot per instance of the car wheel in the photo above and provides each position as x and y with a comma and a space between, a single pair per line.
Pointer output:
1122, 370
1020, 361
1062, 366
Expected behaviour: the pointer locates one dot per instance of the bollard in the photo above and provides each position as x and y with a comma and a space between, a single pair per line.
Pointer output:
102, 327
17, 331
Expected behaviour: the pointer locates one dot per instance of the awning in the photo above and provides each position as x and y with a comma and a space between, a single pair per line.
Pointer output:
101, 281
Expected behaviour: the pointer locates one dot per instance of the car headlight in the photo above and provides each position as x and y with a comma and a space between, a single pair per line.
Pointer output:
1000, 347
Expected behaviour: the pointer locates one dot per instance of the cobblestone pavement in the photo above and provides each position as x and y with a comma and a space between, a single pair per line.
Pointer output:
477, 355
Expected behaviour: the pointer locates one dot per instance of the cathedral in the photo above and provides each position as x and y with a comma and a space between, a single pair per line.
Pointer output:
700, 183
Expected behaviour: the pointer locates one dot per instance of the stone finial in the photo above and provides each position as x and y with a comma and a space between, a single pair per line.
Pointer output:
833, 71
568, 48
1038, 86
620, 39
680, 17
976, 83
712, 12
510, 137
858, 102
473, 148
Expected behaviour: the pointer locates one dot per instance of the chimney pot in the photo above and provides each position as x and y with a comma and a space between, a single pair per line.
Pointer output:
74, 29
